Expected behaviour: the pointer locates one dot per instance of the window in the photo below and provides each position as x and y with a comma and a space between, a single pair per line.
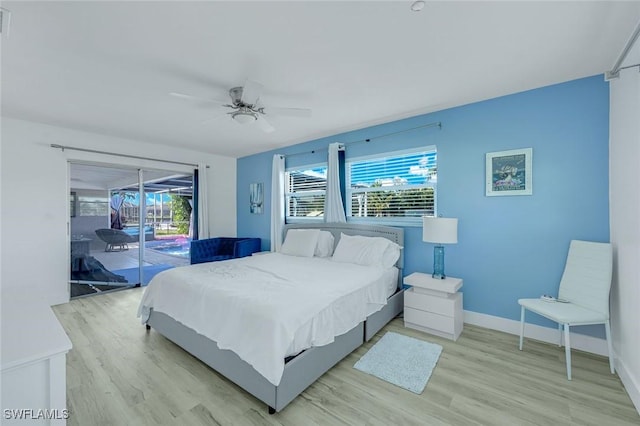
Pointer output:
392, 187
305, 190
93, 205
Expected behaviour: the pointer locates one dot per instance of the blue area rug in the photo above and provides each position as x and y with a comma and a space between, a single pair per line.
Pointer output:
401, 360
131, 274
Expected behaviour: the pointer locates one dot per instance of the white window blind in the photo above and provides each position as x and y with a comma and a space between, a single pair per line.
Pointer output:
305, 190
394, 187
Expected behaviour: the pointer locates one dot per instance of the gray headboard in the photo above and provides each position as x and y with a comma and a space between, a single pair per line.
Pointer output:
394, 234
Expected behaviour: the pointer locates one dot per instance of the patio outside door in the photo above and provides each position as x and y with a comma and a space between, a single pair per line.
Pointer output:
104, 242
126, 226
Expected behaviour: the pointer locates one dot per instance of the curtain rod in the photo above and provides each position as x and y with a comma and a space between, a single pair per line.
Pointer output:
137, 157
615, 71
313, 151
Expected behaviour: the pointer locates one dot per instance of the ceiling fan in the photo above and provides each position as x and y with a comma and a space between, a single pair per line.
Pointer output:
245, 106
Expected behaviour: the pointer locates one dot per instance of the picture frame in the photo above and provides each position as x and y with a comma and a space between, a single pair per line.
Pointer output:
509, 172
256, 198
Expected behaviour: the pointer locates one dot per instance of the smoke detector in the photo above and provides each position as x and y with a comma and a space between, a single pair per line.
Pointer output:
417, 6
5, 20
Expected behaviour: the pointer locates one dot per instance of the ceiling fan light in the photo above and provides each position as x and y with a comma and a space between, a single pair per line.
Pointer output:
243, 117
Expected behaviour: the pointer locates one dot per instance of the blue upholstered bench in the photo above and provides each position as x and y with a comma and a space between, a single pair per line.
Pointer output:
222, 248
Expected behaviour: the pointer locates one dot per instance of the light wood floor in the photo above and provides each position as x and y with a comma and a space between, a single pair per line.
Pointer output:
120, 374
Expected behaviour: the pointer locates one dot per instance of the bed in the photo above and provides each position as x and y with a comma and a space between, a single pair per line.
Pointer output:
280, 352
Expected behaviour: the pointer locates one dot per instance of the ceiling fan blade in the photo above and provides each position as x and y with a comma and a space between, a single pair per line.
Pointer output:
198, 99
264, 125
288, 112
251, 92
215, 118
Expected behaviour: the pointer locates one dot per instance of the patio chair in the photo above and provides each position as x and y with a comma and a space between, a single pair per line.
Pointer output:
222, 248
116, 239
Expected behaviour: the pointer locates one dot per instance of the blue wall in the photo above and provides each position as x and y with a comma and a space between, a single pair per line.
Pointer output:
508, 247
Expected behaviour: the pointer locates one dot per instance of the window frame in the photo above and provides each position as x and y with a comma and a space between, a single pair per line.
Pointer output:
389, 220
97, 204
287, 194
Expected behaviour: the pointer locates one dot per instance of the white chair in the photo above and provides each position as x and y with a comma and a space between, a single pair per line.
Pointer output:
585, 284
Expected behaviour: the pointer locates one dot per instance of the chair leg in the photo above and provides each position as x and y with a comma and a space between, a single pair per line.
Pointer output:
560, 335
567, 350
521, 326
607, 329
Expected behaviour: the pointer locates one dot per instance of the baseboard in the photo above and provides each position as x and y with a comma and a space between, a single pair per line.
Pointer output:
545, 334
631, 383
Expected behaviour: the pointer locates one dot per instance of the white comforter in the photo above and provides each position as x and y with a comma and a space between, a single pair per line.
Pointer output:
269, 306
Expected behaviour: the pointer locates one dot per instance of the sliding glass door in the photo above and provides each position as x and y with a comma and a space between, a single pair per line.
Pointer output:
166, 221
126, 225
103, 250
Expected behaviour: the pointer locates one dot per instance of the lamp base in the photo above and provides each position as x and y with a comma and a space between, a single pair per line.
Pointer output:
438, 263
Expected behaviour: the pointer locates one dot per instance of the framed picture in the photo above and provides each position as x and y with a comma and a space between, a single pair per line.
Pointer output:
256, 198
509, 172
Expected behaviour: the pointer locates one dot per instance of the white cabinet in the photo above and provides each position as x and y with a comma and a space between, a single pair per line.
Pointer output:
34, 348
433, 305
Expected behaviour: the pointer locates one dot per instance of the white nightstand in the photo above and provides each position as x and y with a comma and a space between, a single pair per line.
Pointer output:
433, 305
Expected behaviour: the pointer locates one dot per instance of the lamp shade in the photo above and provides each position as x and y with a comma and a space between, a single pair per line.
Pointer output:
439, 230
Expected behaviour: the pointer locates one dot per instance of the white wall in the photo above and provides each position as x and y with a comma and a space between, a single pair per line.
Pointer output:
34, 199
625, 223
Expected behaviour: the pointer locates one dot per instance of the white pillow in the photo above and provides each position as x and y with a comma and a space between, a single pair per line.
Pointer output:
366, 251
300, 242
324, 248
391, 254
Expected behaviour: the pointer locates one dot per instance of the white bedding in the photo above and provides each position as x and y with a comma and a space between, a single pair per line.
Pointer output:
269, 306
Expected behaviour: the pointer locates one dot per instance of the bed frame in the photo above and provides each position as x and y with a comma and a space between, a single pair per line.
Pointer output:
305, 368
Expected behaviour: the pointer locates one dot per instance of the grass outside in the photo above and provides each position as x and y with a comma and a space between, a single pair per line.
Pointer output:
173, 232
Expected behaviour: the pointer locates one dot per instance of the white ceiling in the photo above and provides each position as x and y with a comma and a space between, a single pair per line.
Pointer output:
108, 67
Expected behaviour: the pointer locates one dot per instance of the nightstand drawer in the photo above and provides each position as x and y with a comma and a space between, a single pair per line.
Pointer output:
440, 305
427, 319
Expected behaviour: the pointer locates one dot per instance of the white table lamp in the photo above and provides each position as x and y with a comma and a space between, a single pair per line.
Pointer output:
439, 230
